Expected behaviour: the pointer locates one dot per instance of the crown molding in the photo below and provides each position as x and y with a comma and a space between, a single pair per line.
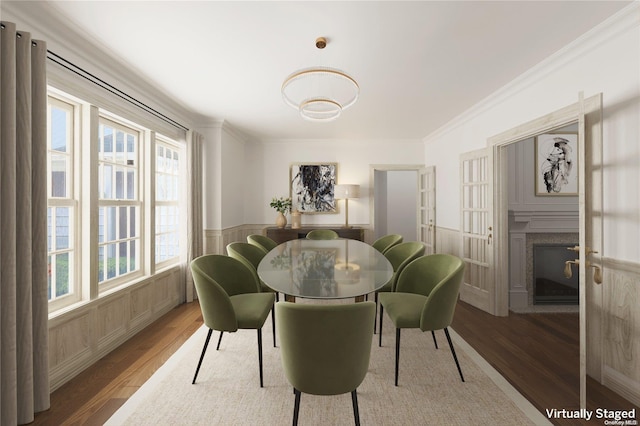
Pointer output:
44, 22
619, 23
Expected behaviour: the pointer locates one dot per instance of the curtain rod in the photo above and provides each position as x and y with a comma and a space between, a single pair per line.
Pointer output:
103, 84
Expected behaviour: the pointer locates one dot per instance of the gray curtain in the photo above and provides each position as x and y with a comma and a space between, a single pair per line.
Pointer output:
24, 373
195, 233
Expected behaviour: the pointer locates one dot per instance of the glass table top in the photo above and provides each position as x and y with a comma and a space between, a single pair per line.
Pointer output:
325, 269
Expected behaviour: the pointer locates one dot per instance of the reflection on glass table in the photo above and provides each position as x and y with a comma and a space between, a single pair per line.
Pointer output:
325, 269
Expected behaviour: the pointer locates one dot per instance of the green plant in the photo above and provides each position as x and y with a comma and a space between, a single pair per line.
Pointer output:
282, 204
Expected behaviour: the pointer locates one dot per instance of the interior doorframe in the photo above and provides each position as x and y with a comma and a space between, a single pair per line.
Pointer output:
590, 354
498, 145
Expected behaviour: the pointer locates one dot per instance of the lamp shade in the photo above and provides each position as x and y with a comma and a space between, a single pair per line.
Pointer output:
345, 192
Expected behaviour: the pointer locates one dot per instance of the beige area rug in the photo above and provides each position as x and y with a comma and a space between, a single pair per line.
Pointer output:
228, 393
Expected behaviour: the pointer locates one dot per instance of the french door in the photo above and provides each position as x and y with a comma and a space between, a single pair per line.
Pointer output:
478, 288
427, 208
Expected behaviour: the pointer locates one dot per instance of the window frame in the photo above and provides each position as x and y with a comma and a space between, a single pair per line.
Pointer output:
71, 201
126, 126
166, 142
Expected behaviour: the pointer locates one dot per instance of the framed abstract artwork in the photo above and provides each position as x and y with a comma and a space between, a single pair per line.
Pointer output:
312, 187
556, 164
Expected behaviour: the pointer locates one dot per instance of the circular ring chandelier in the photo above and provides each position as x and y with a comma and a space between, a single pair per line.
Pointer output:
320, 93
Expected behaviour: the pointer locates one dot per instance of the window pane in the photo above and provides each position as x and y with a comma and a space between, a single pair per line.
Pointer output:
62, 274
111, 224
123, 258
122, 225
107, 143
59, 129
133, 218
62, 228
131, 194
119, 183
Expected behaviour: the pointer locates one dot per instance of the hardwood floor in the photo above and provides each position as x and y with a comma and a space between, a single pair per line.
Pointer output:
537, 354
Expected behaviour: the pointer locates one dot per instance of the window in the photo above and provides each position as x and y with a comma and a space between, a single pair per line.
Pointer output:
167, 201
61, 202
98, 241
119, 201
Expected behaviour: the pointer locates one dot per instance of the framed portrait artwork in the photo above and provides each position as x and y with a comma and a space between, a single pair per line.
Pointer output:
312, 187
556, 165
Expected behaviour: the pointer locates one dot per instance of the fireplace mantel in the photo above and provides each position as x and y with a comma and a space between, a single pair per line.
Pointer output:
525, 222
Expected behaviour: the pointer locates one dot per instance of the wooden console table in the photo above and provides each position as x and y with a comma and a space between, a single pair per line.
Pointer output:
280, 235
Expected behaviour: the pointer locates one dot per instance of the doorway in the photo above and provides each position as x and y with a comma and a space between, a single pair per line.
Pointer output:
588, 114
394, 200
542, 224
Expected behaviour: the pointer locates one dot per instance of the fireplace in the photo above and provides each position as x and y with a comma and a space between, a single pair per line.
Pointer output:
550, 286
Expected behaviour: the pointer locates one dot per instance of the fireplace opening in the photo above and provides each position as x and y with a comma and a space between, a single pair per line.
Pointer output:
551, 287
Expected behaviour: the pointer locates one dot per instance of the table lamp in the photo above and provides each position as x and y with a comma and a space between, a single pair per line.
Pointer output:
345, 192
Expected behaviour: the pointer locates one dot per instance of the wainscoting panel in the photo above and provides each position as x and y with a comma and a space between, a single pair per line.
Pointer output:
448, 241
621, 328
88, 331
70, 340
112, 320
141, 301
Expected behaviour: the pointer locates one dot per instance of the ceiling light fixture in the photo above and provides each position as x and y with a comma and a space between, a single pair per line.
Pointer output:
320, 93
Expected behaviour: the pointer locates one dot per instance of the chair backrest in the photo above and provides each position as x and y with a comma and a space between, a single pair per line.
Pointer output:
401, 255
325, 348
384, 243
322, 234
248, 254
262, 241
216, 278
438, 276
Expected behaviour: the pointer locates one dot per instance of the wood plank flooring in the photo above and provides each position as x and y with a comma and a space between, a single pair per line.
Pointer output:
537, 354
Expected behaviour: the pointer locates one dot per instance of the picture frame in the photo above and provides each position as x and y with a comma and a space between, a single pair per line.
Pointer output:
312, 187
556, 164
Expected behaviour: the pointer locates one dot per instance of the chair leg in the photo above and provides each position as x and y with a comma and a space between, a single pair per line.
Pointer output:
375, 318
380, 328
453, 352
435, 342
397, 353
260, 353
273, 323
356, 413
296, 407
204, 349
219, 340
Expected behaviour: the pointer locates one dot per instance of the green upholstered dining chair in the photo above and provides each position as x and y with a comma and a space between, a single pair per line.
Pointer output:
384, 243
425, 297
399, 256
322, 234
230, 299
325, 348
262, 241
251, 256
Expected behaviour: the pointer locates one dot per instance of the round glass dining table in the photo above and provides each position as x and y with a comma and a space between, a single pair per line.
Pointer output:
325, 269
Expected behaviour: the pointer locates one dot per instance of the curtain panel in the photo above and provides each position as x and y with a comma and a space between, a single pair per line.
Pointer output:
195, 231
24, 372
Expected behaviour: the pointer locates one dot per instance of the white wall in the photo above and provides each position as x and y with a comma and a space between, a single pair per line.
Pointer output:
271, 161
605, 60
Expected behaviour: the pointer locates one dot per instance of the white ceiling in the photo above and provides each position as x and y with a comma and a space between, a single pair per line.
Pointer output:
418, 63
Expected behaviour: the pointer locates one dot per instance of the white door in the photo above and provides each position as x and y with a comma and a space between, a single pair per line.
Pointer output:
590, 190
427, 208
478, 288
